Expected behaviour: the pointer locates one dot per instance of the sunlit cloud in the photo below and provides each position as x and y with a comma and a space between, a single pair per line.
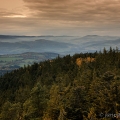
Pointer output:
16, 16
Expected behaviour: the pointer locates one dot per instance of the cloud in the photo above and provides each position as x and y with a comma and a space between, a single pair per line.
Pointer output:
62, 16
76, 10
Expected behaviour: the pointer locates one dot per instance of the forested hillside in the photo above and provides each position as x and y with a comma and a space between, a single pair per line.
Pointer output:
78, 87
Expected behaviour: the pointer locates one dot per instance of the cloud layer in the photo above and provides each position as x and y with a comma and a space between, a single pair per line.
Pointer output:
76, 10
64, 17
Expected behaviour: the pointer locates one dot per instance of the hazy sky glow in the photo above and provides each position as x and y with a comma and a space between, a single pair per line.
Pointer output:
60, 17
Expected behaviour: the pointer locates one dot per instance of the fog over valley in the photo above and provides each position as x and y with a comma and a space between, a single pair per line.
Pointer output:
59, 44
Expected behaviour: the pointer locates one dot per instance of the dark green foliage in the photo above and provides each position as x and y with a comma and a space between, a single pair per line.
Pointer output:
59, 89
108, 75
74, 114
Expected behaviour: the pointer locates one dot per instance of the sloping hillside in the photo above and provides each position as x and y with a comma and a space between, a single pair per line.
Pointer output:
61, 89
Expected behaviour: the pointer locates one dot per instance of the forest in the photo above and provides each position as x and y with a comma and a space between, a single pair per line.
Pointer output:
85, 86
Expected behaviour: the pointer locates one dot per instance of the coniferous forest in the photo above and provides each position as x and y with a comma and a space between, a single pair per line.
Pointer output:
84, 86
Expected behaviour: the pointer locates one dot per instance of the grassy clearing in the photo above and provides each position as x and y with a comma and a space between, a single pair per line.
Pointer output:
9, 59
29, 60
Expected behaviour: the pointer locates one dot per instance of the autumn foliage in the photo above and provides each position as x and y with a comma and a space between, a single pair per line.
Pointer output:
86, 60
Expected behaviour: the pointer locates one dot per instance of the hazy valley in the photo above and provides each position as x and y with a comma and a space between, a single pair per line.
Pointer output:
57, 44
13, 49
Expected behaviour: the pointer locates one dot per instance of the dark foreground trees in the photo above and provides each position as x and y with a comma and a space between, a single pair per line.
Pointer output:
78, 87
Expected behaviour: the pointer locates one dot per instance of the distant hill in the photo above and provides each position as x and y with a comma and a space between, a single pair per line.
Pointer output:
40, 45
10, 44
16, 38
91, 43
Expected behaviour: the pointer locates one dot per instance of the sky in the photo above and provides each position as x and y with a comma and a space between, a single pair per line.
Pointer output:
60, 17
